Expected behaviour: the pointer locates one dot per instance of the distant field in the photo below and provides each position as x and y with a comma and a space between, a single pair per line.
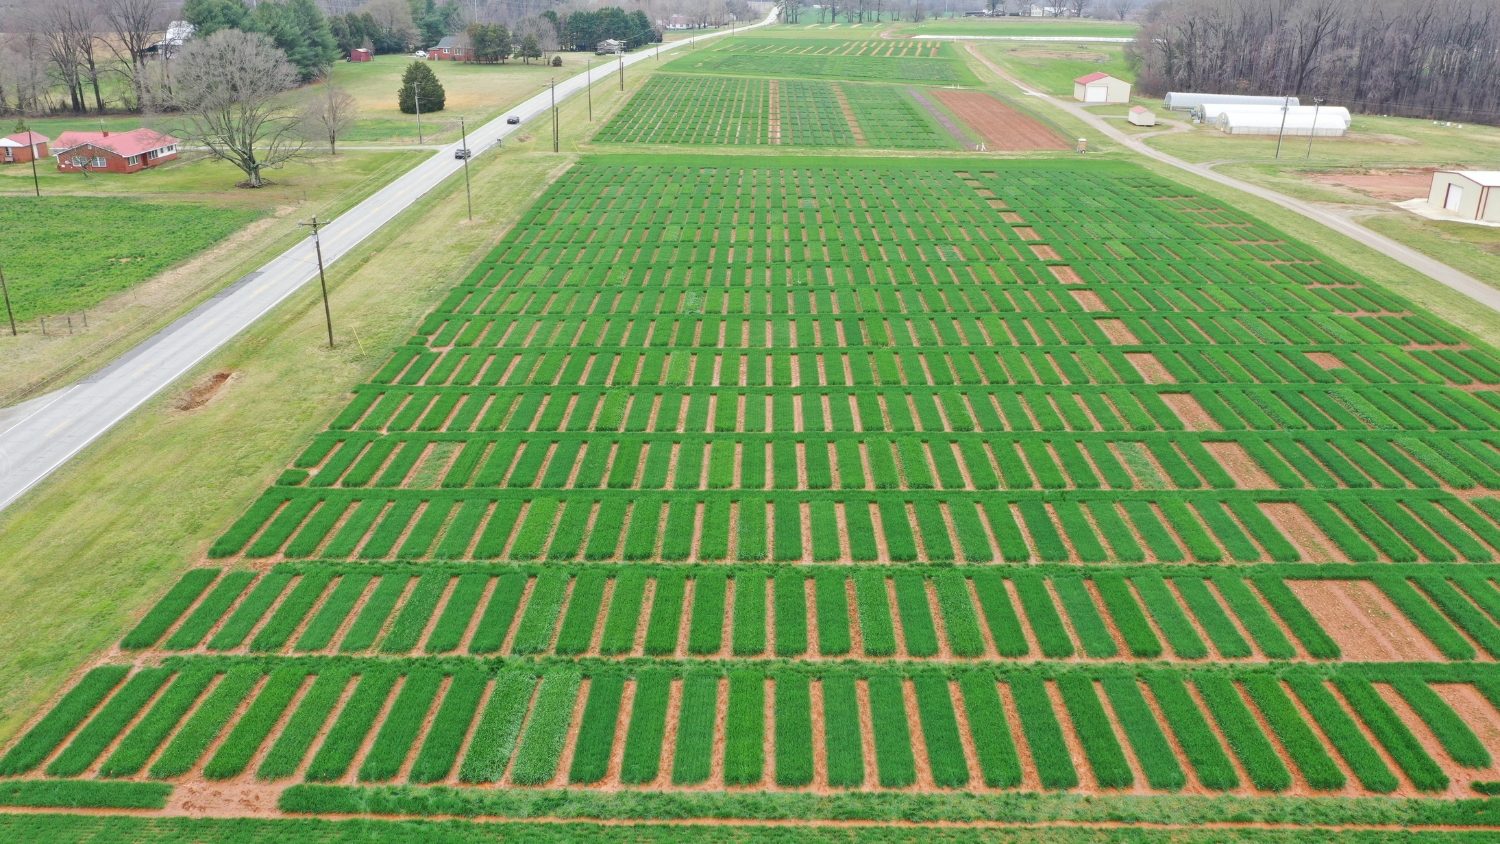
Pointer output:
1053, 67
1020, 26
863, 61
69, 253
691, 109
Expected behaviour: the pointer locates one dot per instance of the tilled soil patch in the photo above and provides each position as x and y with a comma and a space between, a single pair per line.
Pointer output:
1002, 126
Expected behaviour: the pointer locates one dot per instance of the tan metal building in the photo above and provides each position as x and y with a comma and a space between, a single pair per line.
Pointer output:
1101, 88
1468, 193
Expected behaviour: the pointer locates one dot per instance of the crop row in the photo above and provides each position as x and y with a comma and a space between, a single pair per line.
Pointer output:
382, 723
687, 409
786, 612
831, 291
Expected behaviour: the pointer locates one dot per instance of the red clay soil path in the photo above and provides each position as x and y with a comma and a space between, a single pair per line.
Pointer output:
1003, 127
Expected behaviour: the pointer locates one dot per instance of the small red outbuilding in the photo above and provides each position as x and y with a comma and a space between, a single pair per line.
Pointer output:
23, 147
360, 54
103, 152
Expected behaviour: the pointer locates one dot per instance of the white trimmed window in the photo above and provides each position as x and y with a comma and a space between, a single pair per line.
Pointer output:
133, 160
99, 163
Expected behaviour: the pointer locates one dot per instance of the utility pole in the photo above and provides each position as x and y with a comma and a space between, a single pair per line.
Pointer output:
467, 194
318, 245
621, 54
1317, 103
1286, 105
554, 114
8, 312
588, 75
31, 144
416, 96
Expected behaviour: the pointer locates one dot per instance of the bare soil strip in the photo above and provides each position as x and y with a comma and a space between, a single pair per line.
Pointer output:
1190, 412
1481, 716
1458, 776
854, 127
1364, 622
1001, 125
1147, 364
1303, 533
1236, 461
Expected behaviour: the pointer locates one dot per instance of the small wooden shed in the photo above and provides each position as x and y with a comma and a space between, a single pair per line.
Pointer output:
1142, 116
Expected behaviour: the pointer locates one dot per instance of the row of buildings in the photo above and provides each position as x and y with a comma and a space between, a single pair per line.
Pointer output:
92, 152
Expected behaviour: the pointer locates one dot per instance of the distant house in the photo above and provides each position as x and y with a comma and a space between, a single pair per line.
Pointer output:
1101, 88
177, 32
678, 22
1142, 116
452, 48
1466, 193
609, 47
360, 54
23, 147
119, 152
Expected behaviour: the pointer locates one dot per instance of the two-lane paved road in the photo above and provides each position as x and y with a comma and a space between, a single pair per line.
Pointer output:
51, 430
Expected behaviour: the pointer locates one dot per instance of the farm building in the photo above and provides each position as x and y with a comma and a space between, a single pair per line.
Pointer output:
23, 147
452, 48
1142, 116
1210, 112
121, 152
1182, 101
1100, 87
1466, 193
609, 47
1272, 123
360, 54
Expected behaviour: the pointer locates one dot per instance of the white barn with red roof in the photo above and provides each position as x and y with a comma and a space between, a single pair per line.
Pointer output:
23, 147
113, 152
1100, 88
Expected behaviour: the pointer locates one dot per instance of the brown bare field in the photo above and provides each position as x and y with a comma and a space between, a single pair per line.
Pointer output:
1392, 185
1150, 368
1363, 621
1000, 125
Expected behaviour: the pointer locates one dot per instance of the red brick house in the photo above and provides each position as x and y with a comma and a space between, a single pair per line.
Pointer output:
105, 152
23, 147
453, 48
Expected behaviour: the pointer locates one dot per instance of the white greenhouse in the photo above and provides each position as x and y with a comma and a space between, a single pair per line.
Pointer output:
1183, 101
1210, 112
1270, 123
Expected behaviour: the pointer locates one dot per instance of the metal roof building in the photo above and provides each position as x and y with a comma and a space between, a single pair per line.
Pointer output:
1184, 101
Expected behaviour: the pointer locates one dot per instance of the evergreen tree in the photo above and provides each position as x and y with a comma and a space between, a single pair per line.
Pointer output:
530, 49
210, 16
419, 79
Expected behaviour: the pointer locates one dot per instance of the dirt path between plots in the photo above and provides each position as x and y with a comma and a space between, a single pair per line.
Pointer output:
1002, 126
854, 128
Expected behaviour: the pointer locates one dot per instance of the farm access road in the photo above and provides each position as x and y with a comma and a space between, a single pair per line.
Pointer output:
1430, 267
46, 432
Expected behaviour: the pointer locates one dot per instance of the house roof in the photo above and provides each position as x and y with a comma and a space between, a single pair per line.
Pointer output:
19, 139
134, 142
448, 42
1093, 77
1483, 178
1141, 110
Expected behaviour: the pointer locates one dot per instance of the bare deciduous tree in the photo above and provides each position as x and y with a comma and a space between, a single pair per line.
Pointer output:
1429, 58
332, 112
229, 87
1121, 9
134, 24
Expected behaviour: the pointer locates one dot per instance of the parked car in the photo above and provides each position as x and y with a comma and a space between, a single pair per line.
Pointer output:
420, 54
463, 152
513, 120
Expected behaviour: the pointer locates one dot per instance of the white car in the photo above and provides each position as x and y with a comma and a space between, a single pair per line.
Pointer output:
420, 54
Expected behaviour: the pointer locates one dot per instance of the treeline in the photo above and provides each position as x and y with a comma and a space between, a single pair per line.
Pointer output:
582, 30
396, 26
1436, 59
